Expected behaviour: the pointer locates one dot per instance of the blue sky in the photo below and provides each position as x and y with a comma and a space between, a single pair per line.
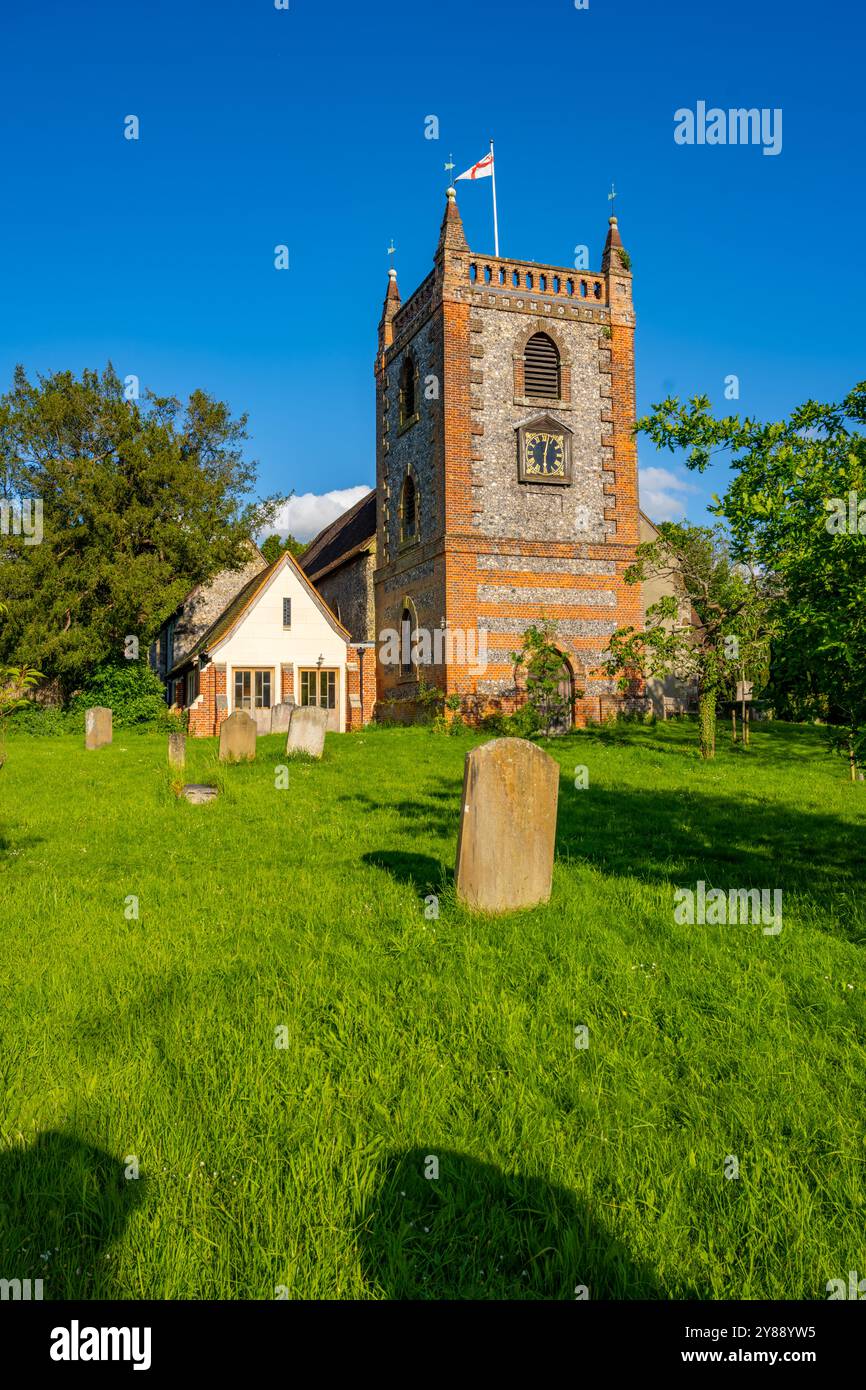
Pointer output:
306, 127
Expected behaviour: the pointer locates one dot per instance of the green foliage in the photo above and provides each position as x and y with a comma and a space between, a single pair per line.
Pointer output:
433, 701
523, 723
791, 479
46, 721
543, 665
141, 501
730, 601
172, 721
130, 689
16, 682
430, 701
275, 546
624, 259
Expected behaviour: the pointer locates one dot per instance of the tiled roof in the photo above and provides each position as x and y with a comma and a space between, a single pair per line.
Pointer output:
243, 600
343, 538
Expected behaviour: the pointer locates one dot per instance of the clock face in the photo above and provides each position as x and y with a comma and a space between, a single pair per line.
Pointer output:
543, 454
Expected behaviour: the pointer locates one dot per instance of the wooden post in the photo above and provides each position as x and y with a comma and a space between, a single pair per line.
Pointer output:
733, 723
744, 716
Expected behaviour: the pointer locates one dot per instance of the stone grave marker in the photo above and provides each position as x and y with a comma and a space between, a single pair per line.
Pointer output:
238, 738
281, 718
262, 719
97, 727
176, 750
307, 730
507, 826
198, 794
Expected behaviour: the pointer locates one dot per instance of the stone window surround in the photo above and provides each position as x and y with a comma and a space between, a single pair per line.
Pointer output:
407, 542
407, 677
517, 357
406, 423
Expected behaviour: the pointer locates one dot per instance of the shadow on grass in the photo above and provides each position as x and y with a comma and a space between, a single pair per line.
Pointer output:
475, 1232
676, 838
669, 836
62, 1204
778, 744
420, 871
10, 844
436, 809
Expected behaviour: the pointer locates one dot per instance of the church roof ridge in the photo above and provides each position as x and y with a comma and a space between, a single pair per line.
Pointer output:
320, 543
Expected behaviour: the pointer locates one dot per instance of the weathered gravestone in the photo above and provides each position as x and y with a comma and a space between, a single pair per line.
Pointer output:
281, 716
307, 730
198, 794
176, 750
97, 727
238, 738
262, 717
507, 826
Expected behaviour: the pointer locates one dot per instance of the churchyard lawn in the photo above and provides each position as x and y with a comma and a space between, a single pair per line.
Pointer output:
327, 1090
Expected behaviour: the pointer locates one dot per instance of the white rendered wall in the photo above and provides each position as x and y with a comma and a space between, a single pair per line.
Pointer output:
262, 642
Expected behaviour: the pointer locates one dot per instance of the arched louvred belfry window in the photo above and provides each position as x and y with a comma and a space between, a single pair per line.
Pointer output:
408, 407
409, 509
541, 368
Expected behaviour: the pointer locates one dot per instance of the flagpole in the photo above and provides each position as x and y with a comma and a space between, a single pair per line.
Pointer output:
495, 219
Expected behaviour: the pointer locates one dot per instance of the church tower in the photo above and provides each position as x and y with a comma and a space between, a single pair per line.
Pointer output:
506, 470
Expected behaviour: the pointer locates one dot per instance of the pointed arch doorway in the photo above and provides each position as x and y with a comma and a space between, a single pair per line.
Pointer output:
564, 719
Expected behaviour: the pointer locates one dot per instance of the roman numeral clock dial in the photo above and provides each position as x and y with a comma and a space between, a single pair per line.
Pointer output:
544, 452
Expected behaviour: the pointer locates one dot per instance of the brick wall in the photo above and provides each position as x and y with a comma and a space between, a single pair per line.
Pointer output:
360, 686
496, 553
204, 719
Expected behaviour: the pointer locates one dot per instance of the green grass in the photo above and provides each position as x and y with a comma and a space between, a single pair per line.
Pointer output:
302, 1166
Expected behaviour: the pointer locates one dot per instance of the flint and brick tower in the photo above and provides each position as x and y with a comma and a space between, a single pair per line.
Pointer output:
486, 352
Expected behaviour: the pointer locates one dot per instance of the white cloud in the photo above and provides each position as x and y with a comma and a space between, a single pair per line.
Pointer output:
658, 489
304, 516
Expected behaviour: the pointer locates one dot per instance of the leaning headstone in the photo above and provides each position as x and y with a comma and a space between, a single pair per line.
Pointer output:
238, 738
281, 717
176, 750
507, 826
307, 730
198, 794
97, 727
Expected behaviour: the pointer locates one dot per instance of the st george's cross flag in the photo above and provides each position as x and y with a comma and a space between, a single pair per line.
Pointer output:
482, 170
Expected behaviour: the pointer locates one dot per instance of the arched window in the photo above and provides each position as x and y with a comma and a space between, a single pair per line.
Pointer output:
407, 391
541, 372
406, 635
409, 509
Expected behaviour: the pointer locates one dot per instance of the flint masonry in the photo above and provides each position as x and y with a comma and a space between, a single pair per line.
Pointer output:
506, 497
506, 487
